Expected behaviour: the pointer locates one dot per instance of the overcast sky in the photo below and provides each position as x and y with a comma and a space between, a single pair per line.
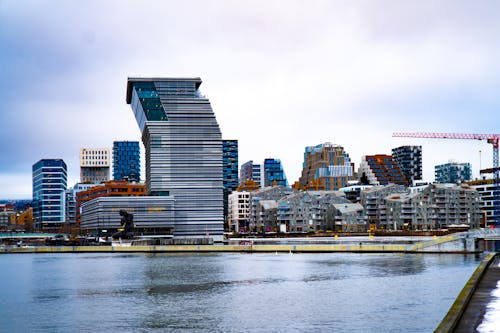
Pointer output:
280, 75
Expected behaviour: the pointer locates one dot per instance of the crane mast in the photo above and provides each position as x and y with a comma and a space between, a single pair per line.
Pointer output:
492, 139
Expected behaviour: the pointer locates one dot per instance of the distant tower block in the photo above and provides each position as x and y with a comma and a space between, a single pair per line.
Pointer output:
126, 160
94, 165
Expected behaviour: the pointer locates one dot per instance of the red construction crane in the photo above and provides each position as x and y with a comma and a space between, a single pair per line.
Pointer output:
490, 138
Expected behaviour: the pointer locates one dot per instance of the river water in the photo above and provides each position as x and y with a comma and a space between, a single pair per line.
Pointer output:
331, 292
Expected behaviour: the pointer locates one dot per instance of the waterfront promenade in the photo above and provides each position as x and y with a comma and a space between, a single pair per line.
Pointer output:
467, 314
455, 243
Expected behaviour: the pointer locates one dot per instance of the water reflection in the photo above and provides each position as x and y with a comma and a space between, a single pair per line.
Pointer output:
230, 292
393, 266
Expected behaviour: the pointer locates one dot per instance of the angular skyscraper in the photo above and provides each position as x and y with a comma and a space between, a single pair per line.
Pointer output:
409, 160
230, 170
126, 160
183, 151
49, 190
274, 173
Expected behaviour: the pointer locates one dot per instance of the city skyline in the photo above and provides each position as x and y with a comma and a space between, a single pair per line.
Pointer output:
279, 78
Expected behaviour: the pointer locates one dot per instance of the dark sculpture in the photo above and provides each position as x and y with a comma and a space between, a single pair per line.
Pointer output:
127, 226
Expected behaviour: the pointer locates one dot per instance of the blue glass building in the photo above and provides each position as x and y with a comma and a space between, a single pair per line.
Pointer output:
274, 173
126, 160
49, 188
229, 170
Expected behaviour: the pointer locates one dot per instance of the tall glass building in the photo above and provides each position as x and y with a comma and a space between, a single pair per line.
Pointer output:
183, 147
126, 160
274, 173
49, 190
229, 170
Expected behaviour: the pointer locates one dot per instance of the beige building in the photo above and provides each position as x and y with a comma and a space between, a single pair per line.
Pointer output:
95, 165
238, 211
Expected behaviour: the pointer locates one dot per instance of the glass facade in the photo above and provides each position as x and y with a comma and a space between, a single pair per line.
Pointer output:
49, 190
229, 170
274, 173
126, 160
183, 148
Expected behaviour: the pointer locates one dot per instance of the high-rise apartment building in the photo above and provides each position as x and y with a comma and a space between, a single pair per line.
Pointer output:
126, 161
274, 173
183, 148
409, 160
94, 165
380, 170
49, 189
252, 171
453, 172
229, 170
327, 165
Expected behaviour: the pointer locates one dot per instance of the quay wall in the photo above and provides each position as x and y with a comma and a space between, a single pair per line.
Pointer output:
457, 309
211, 248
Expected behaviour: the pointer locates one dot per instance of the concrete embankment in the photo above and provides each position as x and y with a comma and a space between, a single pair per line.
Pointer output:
456, 243
451, 321
210, 248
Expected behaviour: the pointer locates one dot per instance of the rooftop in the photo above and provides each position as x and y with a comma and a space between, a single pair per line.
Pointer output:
131, 80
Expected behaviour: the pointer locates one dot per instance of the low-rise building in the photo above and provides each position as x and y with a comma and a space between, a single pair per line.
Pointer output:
353, 192
437, 206
239, 211
373, 201
263, 207
7, 216
114, 188
320, 211
152, 215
